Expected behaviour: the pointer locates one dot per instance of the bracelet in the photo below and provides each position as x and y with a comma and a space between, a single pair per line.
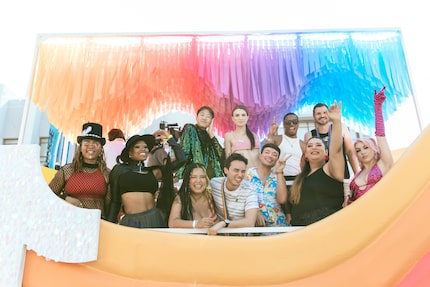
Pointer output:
195, 223
280, 172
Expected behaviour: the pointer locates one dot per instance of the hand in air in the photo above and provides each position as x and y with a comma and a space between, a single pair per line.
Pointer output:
335, 111
273, 130
380, 97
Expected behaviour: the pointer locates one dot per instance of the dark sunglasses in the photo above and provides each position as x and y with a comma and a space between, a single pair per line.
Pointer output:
294, 122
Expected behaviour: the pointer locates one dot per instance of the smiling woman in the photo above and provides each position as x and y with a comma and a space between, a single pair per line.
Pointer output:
135, 186
85, 181
358, 239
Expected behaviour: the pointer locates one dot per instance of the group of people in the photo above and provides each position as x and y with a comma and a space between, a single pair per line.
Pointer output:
285, 181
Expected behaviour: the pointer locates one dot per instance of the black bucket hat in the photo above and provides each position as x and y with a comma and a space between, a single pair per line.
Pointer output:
147, 138
92, 131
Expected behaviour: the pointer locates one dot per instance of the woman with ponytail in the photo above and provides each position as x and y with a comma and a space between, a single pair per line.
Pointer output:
242, 140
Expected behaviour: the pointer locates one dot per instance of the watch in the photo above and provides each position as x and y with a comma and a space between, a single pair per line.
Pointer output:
227, 222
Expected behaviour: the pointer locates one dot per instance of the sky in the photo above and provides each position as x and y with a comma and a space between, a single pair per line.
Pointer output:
22, 21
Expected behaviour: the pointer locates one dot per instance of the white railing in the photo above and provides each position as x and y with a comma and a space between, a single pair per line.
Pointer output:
230, 230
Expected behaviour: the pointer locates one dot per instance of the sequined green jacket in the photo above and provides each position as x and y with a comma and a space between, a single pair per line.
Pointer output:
200, 148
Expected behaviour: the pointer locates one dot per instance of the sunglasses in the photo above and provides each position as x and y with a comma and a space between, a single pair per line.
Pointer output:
294, 122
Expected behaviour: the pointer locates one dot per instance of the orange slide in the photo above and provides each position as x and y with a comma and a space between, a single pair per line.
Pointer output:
382, 239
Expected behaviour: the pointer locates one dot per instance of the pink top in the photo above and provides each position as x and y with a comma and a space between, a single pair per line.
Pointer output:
375, 175
241, 144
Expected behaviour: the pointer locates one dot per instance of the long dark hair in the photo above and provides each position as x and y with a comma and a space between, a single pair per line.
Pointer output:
249, 134
296, 188
185, 191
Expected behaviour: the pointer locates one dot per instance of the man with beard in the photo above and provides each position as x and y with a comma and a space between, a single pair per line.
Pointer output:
323, 130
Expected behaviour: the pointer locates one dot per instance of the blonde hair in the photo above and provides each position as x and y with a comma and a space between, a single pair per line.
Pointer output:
370, 143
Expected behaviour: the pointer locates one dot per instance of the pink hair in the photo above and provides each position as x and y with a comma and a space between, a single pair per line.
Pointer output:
371, 143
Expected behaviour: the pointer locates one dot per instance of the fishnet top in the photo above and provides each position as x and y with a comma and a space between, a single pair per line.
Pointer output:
87, 186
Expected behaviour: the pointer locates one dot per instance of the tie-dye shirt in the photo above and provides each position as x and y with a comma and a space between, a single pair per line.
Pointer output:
268, 206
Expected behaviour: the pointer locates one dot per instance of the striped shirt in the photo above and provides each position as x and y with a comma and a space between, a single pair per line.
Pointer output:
238, 201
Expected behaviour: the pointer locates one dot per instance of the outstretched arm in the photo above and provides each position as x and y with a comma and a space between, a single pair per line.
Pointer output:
350, 150
335, 167
386, 161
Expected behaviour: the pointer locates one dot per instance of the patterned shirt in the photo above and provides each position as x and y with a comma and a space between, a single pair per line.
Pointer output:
266, 195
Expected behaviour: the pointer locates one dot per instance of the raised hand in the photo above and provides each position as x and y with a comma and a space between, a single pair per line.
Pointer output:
335, 111
379, 98
273, 130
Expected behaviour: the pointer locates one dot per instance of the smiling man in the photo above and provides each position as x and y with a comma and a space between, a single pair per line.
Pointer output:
235, 201
289, 144
267, 179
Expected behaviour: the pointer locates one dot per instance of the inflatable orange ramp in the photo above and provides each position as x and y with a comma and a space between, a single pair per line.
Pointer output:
382, 239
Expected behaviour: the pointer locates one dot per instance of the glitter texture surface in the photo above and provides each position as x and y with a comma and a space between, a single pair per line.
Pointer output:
32, 217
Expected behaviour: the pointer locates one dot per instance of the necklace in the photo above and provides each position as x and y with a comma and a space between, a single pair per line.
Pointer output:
90, 165
289, 142
232, 197
140, 164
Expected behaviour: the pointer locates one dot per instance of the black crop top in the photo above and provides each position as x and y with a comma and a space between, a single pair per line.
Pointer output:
138, 182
